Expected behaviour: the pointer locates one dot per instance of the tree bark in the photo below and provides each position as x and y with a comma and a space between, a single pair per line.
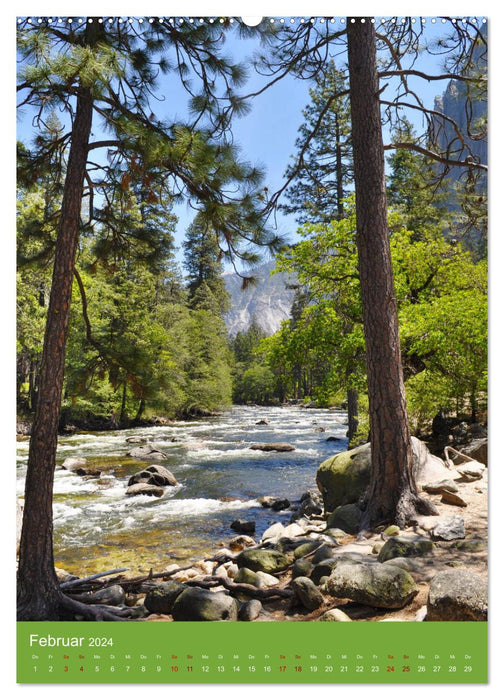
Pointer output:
392, 495
353, 413
39, 596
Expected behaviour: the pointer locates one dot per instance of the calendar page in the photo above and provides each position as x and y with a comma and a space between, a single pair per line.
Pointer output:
252, 349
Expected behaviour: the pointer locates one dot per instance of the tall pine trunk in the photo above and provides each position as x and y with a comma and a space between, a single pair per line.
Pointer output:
38, 590
392, 495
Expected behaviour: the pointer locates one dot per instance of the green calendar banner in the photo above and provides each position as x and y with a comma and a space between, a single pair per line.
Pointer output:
284, 652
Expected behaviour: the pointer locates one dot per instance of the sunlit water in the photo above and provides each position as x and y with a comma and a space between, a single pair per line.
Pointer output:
220, 479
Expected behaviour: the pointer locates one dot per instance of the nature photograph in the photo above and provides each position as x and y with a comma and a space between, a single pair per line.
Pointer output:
251, 314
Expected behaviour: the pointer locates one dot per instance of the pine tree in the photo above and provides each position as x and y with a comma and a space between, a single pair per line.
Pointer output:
202, 260
322, 170
103, 69
413, 187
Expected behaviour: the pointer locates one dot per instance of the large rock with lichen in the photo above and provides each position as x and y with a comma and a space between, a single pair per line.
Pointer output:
344, 478
379, 585
457, 596
268, 560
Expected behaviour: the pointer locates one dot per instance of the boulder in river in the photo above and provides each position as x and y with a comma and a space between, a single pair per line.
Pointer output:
273, 447
156, 475
344, 478
274, 502
147, 451
74, 463
145, 490
246, 527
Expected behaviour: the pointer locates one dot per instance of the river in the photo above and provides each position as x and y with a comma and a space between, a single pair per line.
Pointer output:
98, 527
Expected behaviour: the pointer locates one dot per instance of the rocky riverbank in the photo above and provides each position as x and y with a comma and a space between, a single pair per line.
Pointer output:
318, 567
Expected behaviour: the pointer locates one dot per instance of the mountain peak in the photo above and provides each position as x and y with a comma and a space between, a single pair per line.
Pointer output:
269, 300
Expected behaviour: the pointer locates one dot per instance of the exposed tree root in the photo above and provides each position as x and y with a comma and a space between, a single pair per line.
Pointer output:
406, 512
64, 608
96, 613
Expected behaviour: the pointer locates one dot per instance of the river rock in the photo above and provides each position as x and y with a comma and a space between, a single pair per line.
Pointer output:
392, 531
453, 499
147, 451
379, 585
478, 450
74, 463
456, 596
162, 598
196, 604
441, 486
322, 570
405, 546
293, 530
307, 592
155, 474
303, 550
263, 421
344, 478
334, 615
87, 471
273, 533
136, 440
274, 503
273, 447
243, 526
310, 504
259, 579
450, 529
302, 567
472, 471
346, 518
240, 542
268, 560
112, 595
145, 490
250, 610
470, 545
405, 563
325, 552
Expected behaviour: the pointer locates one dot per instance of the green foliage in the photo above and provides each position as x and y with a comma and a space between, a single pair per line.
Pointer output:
256, 385
442, 301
